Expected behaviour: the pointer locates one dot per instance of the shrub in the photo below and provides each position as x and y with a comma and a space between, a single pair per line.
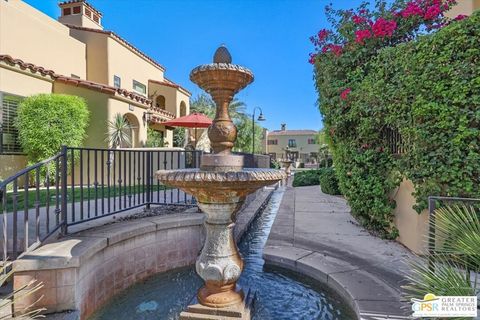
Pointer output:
412, 71
306, 178
329, 182
48, 121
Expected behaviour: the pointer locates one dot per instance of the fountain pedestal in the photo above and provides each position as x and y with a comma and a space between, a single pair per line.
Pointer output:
221, 186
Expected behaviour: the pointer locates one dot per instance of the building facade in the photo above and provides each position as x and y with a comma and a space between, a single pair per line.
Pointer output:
463, 7
76, 56
297, 145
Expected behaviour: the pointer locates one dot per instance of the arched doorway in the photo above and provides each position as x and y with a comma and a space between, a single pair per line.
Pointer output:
133, 131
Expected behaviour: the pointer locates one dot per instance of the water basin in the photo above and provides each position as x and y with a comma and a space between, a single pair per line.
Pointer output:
280, 295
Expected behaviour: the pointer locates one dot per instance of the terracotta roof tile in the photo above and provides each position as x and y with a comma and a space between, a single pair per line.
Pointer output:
119, 39
30, 66
292, 132
170, 83
82, 1
76, 82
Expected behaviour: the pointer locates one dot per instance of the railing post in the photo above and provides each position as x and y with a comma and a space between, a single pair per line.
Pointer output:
431, 231
64, 174
149, 179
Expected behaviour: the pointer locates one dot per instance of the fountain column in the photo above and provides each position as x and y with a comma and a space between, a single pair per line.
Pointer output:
221, 186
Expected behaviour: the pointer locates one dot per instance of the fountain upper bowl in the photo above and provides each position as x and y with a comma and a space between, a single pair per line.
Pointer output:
222, 186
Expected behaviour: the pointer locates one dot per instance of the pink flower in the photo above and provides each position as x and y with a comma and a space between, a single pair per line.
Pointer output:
322, 34
412, 9
361, 35
336, 49
312, 59
460, 17
384, 28
358, 19
432, 12
345, 93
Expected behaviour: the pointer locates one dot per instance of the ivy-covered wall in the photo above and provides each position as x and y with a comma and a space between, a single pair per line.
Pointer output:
420, 79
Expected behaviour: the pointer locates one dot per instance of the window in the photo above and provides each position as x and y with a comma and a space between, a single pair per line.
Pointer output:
88, 13
67, 11
95, 18
139, 87
292, 143
272, 142
311, 141
77, 10
117, 82
9, 142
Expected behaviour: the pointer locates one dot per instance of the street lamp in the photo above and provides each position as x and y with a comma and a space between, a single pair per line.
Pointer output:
260, 118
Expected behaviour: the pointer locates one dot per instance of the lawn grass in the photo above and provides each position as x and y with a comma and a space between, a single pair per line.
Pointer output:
78, 192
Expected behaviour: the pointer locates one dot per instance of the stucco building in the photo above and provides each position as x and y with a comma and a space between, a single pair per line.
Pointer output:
464, 7
296, 145
76, 56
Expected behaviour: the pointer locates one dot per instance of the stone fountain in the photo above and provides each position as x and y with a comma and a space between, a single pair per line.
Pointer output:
220, 187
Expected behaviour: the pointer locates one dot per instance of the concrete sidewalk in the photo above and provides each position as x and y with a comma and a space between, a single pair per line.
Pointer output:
316, 235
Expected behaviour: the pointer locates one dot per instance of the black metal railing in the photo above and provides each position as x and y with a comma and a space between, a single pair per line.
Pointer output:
434, 202
83, 184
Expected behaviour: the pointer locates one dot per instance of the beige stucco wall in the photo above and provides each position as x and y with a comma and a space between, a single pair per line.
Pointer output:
129, 66
466, 7
302, 145
170, 94
413, 227
96, 53
97, 104
10, 164
30, 35
23, 82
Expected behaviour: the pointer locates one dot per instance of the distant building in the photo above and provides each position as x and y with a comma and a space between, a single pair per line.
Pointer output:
75, 56
296, 145
464, 7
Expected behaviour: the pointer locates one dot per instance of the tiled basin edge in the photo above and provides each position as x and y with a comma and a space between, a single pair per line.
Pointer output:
369, 297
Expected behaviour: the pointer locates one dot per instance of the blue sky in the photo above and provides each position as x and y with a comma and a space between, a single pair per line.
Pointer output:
268, 36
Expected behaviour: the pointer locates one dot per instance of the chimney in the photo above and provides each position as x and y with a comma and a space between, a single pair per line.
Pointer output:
81, 14
283, 126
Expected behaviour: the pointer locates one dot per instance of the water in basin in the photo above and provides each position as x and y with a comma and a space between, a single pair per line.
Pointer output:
280, 295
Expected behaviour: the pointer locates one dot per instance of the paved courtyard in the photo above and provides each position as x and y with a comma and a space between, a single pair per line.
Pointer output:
315, 234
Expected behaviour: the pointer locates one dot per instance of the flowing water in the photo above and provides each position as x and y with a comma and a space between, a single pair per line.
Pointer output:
280, 295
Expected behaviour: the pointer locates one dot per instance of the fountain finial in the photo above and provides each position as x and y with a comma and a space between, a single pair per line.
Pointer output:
222, 55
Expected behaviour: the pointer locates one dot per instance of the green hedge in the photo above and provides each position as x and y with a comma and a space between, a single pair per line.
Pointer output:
427, 89
329, 182
47, 121
306, 178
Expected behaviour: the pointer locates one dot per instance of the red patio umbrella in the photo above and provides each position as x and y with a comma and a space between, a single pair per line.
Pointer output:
193, 120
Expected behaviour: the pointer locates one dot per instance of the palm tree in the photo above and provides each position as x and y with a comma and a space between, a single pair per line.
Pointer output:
204, 104
456, 258
119, 132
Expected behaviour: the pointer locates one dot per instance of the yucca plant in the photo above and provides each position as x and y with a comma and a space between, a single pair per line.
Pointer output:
119, 132
7, 301
453, 268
